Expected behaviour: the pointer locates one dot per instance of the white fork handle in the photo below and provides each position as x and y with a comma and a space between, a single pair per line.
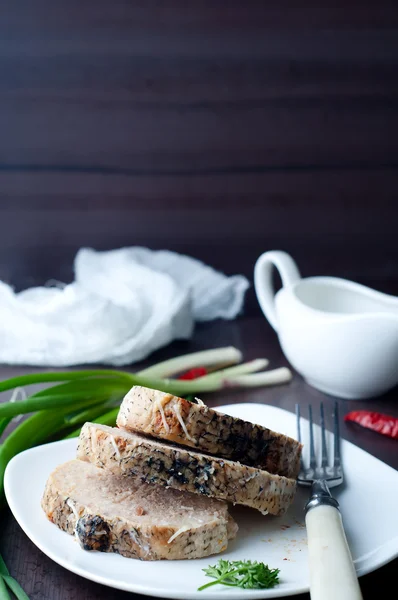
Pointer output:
332, 572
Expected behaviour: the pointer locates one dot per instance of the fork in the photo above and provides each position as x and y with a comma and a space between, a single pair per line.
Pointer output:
332, 571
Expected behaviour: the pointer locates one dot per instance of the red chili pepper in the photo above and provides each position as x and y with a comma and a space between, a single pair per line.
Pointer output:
385, 424
194, 373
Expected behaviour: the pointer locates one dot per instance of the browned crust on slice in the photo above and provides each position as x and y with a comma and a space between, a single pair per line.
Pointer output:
97, 520
161, 415
160, 463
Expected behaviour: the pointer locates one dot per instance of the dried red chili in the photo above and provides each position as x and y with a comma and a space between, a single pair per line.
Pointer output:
382, 423
194, 373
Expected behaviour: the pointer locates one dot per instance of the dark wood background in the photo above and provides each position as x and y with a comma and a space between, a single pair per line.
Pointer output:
212, 128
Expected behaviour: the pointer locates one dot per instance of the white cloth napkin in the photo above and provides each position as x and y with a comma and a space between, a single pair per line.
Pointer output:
123, 305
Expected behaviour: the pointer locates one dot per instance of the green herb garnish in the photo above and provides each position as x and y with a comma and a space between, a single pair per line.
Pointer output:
245, 574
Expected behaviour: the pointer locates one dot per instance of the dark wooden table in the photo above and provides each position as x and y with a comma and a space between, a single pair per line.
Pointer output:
45, 580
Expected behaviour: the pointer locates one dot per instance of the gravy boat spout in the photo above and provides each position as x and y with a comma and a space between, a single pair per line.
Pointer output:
342, 337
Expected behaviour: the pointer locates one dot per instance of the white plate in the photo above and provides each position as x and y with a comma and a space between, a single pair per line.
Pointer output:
367, 499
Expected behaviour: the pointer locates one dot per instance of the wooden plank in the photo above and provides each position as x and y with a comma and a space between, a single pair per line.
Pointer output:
136, 86
195, 141
178, 15
194, 127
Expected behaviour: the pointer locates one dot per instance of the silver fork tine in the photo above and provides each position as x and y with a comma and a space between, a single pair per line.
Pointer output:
312, 447
323, 434
337, 457
299, 433
298, 422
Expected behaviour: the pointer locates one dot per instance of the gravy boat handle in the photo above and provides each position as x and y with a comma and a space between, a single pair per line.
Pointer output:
263, 285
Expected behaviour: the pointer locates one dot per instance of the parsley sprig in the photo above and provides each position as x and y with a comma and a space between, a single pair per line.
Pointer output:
245, 574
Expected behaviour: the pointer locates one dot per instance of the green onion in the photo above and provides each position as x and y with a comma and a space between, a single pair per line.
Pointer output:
89, 414
3, 425
15, 588
86, 385
48, 377
108, 418
3, 567
248, 367
70, 401
205, 358
5, 578
4, 595
274, 377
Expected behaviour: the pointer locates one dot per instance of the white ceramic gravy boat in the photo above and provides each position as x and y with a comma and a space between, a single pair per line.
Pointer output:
342, 337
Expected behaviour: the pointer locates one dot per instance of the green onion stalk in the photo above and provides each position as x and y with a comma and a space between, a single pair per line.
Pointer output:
75, 397
8, 583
